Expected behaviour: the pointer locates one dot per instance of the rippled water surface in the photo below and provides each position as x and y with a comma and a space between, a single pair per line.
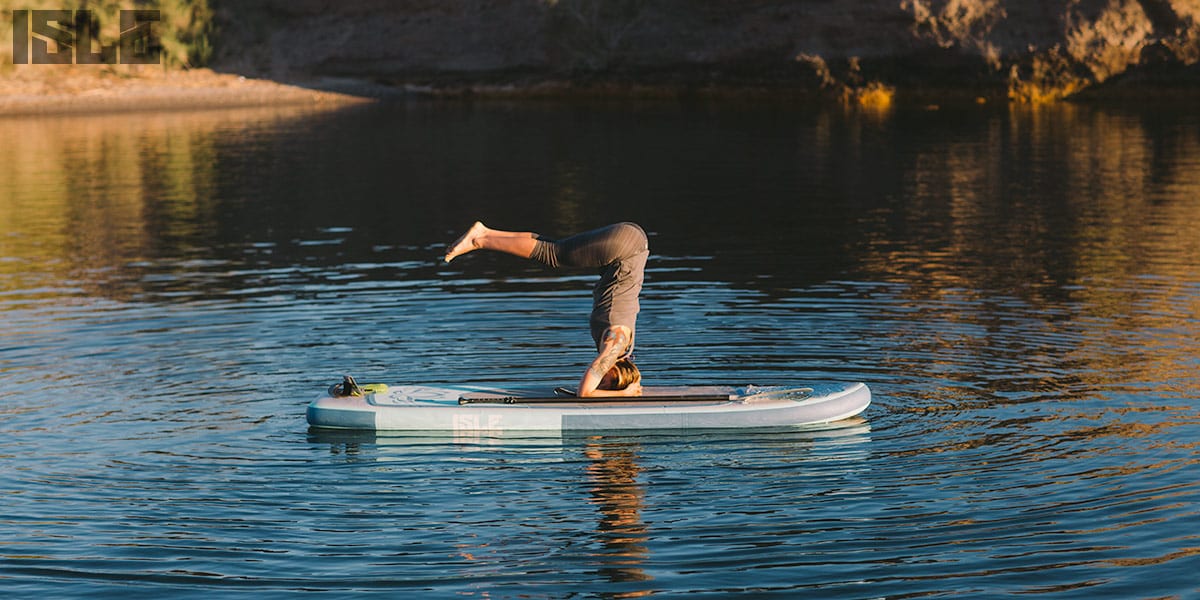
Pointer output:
1021, 290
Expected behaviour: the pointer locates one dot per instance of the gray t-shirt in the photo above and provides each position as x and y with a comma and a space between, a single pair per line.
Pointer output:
619, 251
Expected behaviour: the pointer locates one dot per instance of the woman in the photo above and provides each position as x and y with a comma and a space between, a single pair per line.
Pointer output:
619, 251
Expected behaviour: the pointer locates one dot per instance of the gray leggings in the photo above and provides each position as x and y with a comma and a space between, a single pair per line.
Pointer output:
619, 251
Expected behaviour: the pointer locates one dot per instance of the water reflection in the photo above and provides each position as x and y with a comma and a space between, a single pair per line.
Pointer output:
1043, 199
1037, 249
1110, 194
83, 198
620, 498
589, 494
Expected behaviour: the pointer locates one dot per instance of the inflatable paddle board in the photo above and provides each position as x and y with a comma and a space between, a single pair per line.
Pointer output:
379, 407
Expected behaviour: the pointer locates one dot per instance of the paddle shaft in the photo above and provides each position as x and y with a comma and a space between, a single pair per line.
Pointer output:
604, 400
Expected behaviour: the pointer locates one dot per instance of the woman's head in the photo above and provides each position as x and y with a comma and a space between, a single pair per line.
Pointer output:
621, 375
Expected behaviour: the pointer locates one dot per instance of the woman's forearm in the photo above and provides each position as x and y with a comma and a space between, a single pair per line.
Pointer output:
589, 384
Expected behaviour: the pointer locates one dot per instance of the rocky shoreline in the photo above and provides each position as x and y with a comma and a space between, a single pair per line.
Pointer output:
198, 89
1022, 50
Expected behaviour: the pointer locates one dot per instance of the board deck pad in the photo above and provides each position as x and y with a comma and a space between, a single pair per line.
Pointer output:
499, 398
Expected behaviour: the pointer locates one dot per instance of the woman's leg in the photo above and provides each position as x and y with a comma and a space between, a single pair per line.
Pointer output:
480, 237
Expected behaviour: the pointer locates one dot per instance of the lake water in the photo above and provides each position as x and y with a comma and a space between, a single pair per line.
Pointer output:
1020, 289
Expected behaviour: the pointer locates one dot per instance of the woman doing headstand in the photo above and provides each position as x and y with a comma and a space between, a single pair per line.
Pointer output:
619, 251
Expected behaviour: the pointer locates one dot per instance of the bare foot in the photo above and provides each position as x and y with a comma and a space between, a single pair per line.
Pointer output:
467, 242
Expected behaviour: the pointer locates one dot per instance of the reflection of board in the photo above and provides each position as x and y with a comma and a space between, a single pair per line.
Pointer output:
499, 409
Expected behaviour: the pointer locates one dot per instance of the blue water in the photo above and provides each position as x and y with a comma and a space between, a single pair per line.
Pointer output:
1020, 289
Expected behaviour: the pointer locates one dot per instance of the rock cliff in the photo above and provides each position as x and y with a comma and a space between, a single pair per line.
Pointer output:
1027, 49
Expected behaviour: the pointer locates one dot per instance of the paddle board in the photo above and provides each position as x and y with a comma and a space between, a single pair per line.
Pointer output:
458, 408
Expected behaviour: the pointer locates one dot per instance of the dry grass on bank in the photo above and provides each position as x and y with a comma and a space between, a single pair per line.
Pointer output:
52, 89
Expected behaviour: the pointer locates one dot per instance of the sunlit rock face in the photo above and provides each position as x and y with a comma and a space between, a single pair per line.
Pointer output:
1031, 48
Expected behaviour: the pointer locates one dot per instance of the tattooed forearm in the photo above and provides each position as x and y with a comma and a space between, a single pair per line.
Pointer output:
614, 344
605, 361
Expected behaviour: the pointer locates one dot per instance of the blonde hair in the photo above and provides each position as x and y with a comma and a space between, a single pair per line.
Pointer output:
626, 374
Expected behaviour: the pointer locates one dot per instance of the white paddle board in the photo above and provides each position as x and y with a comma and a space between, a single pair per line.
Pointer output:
379, 407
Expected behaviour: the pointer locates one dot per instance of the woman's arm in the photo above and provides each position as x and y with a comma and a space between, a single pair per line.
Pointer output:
612, 347
634, 389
